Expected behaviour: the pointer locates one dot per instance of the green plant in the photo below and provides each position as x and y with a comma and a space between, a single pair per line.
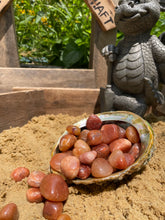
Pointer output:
58, 32
53, 32
159, 27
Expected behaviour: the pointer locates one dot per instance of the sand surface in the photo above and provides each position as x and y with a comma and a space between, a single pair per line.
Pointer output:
141, 196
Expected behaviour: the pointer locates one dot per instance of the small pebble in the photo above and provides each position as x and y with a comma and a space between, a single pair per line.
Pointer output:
34, 195
9, 212
20, 173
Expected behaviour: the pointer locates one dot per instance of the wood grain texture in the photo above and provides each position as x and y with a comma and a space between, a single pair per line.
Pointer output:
40, 77
100, 39
8, 43
72, 101
104, 12
4, 4
17, 107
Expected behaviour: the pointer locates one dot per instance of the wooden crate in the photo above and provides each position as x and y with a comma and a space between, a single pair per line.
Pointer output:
19, 106
95, 76
48, 90
29, 92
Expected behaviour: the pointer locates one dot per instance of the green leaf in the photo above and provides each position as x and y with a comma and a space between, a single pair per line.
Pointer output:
72, 54
78, 41
67, 21
38, 19
28, 19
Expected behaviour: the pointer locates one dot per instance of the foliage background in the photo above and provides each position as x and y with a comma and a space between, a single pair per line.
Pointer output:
57, 32
53, 32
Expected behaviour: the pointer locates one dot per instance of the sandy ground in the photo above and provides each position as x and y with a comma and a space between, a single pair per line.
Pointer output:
141, 196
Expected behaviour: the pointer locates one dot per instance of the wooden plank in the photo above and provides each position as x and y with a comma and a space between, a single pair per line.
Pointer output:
4, 4
104, 12
16, 108
8, 44
43, 77
99, 40
73, 101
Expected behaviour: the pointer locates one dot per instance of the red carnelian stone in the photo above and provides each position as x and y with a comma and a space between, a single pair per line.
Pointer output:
118, 160
94, 137
52, 210
9, 212
101, 168
20, 173
70, 166
122, 132
110, 132
73, 129
102, 150
67, 142
135, 150
93, 122
122, 144
132, 134
54, 188
35, 178
64, 217
83, 135
129, 158
84, 172
88, 157
34, 195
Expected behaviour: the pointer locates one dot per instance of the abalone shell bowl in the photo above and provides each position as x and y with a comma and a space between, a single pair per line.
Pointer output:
123, 119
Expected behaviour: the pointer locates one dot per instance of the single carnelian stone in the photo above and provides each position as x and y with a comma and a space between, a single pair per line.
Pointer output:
132, 134
129, 158
20, 173
93, 122
54, 188
70, 166
110, 132
135, 150
52, 210
9, 212
64, 217
122, 144
118, 160
35, 178
34, 195
73, 129
102, 150
88, 157
94, 137
83, 135
67, 142
84, 172
101, 168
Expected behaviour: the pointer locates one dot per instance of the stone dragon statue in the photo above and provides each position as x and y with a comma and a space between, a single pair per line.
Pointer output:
138, 59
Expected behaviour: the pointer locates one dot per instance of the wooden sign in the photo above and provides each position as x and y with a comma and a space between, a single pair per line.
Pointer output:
104, 12
4, 4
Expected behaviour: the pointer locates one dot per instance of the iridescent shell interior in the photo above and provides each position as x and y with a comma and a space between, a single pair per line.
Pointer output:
124, 119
